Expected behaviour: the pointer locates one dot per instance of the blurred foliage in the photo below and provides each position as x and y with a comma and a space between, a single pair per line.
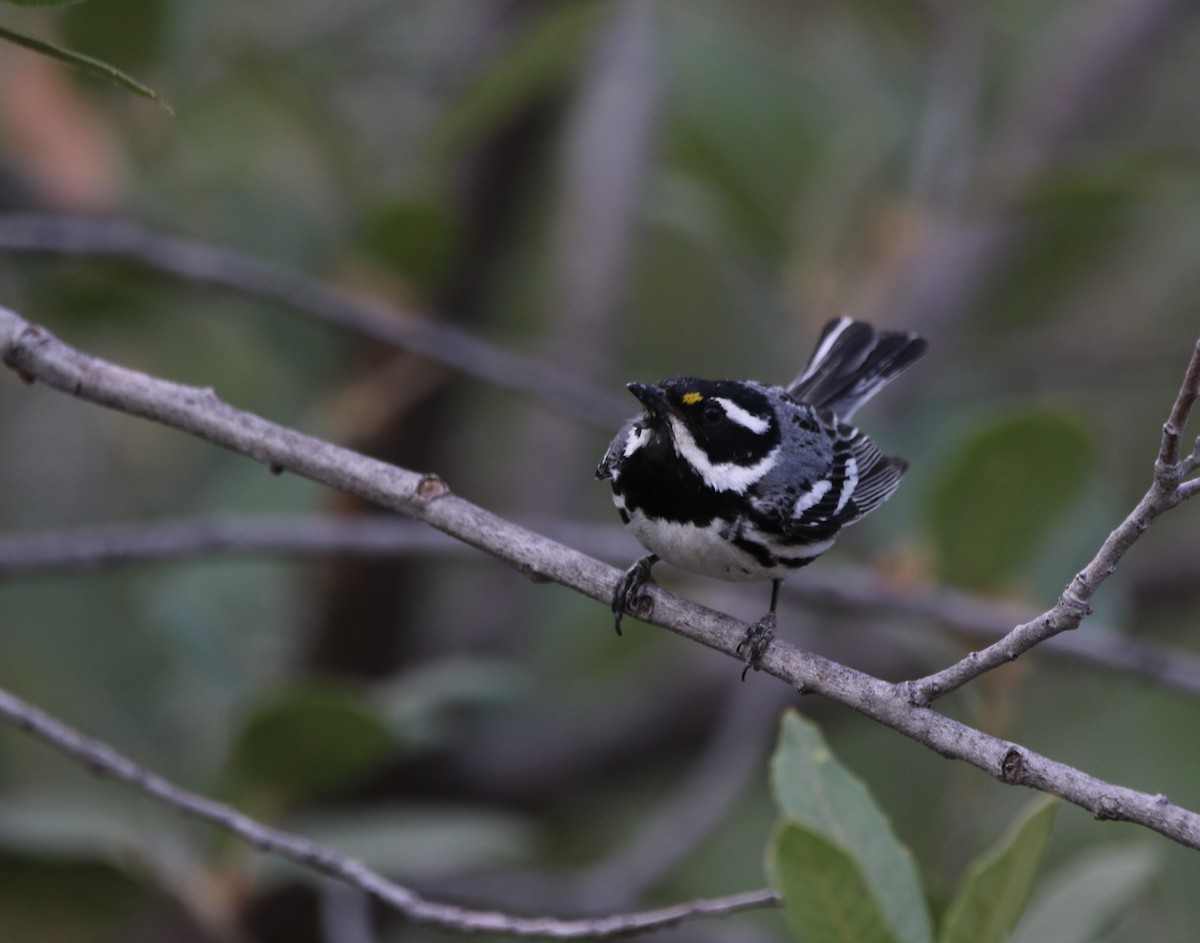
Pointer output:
1014, 480
820, 799
844, 878
834, 847
800, 161
996, 889
825, 894
1089, 895
306, 743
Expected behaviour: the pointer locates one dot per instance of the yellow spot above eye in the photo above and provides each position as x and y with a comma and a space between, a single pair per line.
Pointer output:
691, 399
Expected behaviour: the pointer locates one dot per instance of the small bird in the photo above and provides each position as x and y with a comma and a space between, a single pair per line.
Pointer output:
742, 481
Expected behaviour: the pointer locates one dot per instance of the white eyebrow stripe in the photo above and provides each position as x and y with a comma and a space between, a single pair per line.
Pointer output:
742, 417
722, 476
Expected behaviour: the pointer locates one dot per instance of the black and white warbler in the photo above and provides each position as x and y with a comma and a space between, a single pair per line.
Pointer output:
742, 481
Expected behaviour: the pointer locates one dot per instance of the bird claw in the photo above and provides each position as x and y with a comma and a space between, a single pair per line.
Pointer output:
628, 596
756, 641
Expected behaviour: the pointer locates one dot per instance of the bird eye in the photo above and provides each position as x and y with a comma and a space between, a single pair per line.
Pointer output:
713, 413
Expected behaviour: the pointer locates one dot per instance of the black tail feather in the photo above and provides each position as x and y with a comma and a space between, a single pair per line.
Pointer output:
851, 363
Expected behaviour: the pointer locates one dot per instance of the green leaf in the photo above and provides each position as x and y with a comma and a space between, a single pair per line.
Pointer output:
1085, 898
813, 790
42, 3
1003, 493
92, 67
825, 895
992, 898
308, 742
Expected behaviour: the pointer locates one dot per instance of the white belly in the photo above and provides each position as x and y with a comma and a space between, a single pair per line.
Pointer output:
703, 550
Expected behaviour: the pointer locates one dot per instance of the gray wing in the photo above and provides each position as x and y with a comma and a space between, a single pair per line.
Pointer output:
831, 490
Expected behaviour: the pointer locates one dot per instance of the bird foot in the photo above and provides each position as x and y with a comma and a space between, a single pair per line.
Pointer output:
628, 596
756, 641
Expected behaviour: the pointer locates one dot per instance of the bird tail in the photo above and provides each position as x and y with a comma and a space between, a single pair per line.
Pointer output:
852, 362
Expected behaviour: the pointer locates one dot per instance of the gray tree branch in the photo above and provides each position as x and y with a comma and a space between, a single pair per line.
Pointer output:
1073, 606
221, 267
38, 356
103, 760
96, 547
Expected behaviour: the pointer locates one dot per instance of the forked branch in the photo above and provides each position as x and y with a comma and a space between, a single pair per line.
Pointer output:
38, 356
1167, 489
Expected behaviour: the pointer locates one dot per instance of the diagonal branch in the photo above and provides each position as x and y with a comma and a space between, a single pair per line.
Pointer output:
35, 354
102, 759
241, 272
95, 547
987, 620
1073, 606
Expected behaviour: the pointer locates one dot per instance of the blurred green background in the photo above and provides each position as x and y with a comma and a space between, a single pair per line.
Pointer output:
626, 191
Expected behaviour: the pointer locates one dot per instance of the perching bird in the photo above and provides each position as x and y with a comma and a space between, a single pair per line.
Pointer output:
742, 481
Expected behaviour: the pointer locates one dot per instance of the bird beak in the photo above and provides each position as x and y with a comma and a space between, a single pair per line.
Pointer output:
652, 397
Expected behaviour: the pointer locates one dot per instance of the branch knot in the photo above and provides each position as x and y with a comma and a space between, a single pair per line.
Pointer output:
1108, 809
1078, 605
31, 336
430, 488
1012, 767
916, 694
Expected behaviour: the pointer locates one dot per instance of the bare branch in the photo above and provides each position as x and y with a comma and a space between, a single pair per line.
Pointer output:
75, 549
37, 355
987, 620
243, 273
1177, 421
1073, 605
91, 548
102, 759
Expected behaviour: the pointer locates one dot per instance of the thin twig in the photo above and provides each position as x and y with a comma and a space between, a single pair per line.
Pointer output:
38, 356
1073, 605
102, 759
1168, 455
241, 272
988, 620
97, 547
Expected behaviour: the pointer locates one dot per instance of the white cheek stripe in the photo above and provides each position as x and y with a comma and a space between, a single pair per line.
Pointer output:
727, 476
848, 485
743, 417
811, 497
637, 437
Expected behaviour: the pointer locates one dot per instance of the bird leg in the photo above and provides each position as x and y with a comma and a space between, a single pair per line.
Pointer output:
628, 596
759, 635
